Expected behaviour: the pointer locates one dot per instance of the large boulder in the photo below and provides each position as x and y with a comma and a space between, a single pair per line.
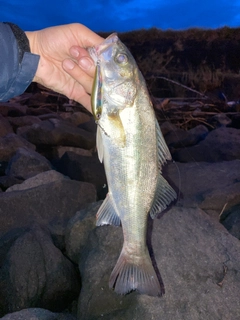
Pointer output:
198, 262
37, 314
9, 145
36, 274
56, 132
84, 168
27, 163
221, 144
51, 204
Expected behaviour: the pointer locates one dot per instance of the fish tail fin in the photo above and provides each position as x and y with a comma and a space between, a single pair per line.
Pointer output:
129, 275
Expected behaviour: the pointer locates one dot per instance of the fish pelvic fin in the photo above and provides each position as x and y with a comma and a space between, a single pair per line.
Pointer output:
129, 275
106, 213
164, 195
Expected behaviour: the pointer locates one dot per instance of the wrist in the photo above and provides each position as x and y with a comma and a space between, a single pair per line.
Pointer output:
31, 35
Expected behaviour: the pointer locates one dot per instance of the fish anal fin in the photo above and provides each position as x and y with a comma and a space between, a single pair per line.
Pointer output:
164, 195
106, 213
128, 276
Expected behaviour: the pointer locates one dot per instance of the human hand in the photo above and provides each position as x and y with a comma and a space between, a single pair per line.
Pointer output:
65, 65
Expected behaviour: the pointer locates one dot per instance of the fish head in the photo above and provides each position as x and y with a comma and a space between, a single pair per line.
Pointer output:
116, 75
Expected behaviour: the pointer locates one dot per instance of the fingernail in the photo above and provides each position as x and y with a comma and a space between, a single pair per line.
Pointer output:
74, 52
68, 64
85, 63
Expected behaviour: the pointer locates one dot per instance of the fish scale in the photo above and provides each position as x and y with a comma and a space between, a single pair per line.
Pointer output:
133, 150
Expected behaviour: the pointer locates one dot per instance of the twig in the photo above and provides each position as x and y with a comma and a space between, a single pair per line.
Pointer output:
181, 85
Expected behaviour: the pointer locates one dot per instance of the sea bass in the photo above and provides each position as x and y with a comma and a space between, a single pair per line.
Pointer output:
133, 150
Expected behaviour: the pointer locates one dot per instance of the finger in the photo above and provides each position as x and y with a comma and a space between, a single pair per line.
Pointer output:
84, 60
78, 74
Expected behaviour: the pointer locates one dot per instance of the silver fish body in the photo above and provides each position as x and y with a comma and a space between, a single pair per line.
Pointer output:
133, 150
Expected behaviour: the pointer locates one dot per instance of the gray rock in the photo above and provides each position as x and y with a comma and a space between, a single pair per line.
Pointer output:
17, 122
220, 120
167, 127
78, 229
5, 127
36, 274
230, 218
13, 109
57, 152
76, 117
199, 263
57, 132
37, 314
49, 204
209, 186
8, 181
27, 163
38, 180
179, 138
84, 168
221, 144
10, 143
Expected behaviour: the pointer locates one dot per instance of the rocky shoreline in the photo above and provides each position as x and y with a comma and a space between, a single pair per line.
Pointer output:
55, 264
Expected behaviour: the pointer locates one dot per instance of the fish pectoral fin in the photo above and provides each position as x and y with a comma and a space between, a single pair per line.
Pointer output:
130, 275
106, 213
164, 195
163, 151
99, 144
118, 134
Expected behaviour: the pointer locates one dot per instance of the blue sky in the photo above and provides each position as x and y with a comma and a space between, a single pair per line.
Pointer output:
122, 15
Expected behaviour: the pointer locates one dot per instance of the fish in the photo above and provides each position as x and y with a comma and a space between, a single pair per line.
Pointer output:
133, 150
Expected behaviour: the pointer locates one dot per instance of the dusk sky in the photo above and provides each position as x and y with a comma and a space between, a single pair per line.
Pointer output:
122, 15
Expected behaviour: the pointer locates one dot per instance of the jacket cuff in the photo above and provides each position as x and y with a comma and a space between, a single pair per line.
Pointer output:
24, 77
18, 66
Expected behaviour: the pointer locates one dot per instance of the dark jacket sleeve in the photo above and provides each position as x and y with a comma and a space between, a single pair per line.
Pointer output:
17, 66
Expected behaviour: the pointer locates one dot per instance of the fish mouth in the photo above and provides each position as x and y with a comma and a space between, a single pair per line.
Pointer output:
96, 51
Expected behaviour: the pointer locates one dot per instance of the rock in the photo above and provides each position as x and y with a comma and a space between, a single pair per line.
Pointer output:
51, 204
9, 145
89, 126
221, 144
13, 109
206, 185
167, 127
38, 180
205, 269
37, 314
36, 274
76, 118
27, 163
57, 152
220, 120
230, 218
78, 229
180, 138
38, 111
17, 122
82, 168
8, 182
5, 127
56, 132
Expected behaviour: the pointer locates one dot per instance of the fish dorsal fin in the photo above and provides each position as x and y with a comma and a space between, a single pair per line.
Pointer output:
163, 151
99, 144
107, 214
164, 195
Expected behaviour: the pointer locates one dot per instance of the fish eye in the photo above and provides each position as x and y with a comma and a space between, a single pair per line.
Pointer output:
121, 58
